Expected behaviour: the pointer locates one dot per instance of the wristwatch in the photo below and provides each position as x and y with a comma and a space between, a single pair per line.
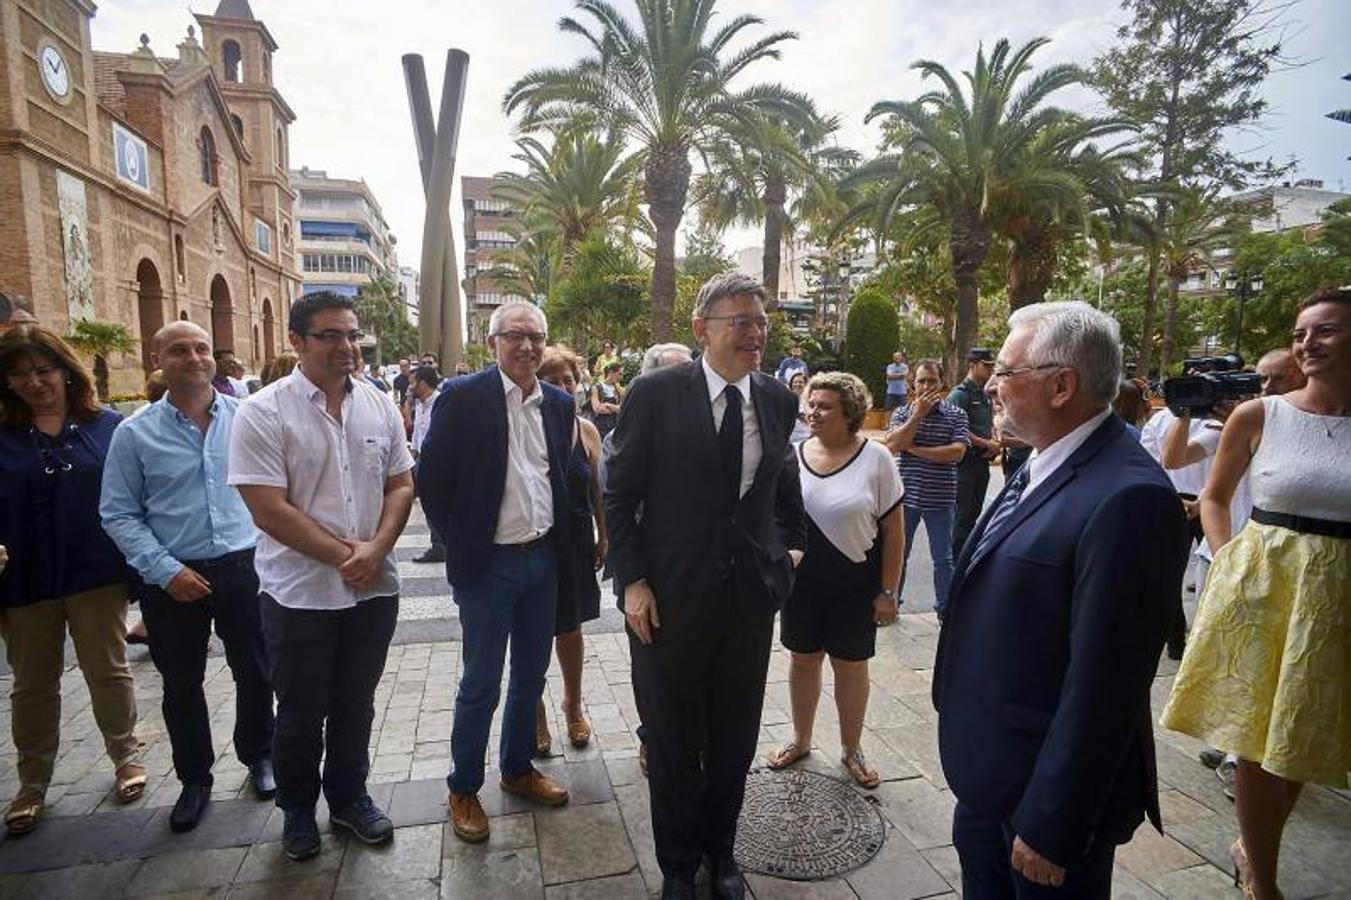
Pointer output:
887, 592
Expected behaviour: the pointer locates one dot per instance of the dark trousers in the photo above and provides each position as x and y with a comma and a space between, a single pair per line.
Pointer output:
514, 602
984, 845
700, 697
973, 478
1177, 626
178, 634
326, 664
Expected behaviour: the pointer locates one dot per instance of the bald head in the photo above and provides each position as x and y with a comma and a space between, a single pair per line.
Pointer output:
1280, 372
177, 329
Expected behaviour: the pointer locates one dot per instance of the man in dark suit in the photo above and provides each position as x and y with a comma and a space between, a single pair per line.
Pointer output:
1055, 623
491, 477
703, 449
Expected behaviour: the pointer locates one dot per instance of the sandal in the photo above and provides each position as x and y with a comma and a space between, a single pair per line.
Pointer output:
22, 815
858, 770
579, 733
544, 741
787, 755
131, 781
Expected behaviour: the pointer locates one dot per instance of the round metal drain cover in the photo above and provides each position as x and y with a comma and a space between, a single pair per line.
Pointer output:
805, 826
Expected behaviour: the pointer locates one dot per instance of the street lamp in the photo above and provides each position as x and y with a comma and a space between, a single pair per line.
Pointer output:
1242, 288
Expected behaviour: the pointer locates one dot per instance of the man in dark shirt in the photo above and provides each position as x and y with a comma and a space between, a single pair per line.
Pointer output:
401, 381
973, 473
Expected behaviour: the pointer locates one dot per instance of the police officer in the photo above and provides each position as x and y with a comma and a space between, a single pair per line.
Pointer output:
973, 473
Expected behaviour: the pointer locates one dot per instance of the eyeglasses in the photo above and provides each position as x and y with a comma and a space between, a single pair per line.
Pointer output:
741, 322
520, 337
1009, 371
333, 336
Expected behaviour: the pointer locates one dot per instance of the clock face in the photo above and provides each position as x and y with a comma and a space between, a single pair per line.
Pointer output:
55, 72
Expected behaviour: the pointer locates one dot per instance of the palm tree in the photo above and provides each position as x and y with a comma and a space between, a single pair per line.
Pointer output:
665, 85
101, 340
965, 161
603, 295
527, 268
580, 182
1199, 223
749, 184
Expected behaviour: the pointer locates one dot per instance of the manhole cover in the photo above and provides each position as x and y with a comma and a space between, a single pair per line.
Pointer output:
805, 826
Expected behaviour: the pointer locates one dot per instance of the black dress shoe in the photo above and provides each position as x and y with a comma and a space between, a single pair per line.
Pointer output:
188, 810
677, 888
433, 555
724, 879
264, 782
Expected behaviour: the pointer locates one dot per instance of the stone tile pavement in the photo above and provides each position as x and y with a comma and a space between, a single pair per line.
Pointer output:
600, 844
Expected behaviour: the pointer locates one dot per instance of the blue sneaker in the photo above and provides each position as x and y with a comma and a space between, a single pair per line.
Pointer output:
300, 834
364, 820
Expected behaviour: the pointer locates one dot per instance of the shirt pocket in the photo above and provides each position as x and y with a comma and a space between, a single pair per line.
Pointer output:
375, 455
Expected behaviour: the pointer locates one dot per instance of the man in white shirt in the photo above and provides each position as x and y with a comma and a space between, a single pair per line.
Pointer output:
492, 476
423, 386
321, 461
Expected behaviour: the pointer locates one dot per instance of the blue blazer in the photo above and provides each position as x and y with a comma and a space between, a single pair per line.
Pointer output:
1050, 645
462, 470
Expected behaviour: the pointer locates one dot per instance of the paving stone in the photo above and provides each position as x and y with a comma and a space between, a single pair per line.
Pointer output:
636, 809
415, 889
921, 812
226, 823
587, 782
492, 875
268, 862
73, 841
1150, 853
1176, 807
71, 805
623, 771
1126, 886
418, 802
1203, 882
897, 871
318, 886
414, 853
504, 833
765, 888
74, 882
945, 862
190, 870
581, 842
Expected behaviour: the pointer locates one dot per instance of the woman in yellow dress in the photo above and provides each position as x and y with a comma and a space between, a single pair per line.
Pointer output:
1267, 672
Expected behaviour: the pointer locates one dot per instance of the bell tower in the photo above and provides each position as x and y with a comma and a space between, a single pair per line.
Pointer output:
239, 48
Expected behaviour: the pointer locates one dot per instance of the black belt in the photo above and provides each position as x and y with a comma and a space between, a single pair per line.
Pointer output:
527, 545
1302, 524
244, 556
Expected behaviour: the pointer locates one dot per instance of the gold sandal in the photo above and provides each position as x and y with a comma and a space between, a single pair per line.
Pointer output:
22, 815
789, 754
857, 766
579, 733
131, 781
544, 741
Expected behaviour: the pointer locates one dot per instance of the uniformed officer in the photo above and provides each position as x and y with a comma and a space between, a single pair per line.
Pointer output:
973, 473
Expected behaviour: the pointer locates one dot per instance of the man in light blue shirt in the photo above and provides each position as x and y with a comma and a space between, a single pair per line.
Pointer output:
187, 533
791, 365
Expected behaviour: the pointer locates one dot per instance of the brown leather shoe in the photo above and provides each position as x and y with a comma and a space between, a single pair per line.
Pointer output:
533, 785
468, 818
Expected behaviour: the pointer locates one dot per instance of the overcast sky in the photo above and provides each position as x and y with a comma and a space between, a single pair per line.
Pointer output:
338, 66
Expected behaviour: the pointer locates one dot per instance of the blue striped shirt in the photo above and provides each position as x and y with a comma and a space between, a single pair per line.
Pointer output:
931, 485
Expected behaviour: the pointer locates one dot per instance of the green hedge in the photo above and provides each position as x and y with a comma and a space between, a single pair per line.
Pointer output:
872, 335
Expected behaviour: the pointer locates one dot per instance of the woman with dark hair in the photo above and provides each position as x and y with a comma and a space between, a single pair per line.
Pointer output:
578, 589
797, 383
63, 571
606, 395
1267, 671
278, 367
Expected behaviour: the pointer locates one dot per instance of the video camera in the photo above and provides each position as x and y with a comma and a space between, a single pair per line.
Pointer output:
1209, 380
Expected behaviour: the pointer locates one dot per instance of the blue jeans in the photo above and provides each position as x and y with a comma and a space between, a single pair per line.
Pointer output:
516, 600
938, 527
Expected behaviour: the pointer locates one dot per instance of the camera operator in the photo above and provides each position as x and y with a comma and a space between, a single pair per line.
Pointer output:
1280, 372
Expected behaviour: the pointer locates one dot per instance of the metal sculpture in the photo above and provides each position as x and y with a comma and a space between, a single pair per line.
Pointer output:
440, 316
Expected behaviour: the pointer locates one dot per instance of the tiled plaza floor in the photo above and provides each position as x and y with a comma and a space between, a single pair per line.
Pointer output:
600, 844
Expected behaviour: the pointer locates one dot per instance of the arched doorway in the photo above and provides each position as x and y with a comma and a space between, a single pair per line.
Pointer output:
149, 308
222, 315
269, 332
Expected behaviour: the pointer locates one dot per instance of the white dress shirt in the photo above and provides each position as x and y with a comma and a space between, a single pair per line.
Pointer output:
750, 426
1042, 464
1187, 479
527, 509
334, 472
422, 419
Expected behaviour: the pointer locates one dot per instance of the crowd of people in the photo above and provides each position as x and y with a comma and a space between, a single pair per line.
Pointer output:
719, 499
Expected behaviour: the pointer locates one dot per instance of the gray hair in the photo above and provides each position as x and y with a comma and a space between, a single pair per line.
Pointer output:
726, 284
495, 321
658, 356
1077, 336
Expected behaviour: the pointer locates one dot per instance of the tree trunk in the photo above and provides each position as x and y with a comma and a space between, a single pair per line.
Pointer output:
776, 194
1146, 354
1169, 323
949, 341
666, 183
1032, 266
969, 243
101, 376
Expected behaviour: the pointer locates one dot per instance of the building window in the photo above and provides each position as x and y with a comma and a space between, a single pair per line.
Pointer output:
281, 149
262, 233
180, 263
231, 56
210, 161
238, 123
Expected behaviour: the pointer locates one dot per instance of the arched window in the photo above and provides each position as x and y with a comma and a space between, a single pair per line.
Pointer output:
231, 56
180, 261
281, 148
210, 160
238, 123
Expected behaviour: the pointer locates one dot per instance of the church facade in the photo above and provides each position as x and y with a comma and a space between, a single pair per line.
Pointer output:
140, 189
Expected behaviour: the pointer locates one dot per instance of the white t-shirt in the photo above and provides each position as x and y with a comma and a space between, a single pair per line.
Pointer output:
848, 503
333, 472
1188, 479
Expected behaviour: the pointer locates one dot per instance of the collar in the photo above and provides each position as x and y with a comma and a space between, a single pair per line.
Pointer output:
309, 389
536, 396
1044, 462
717, 384
213, 408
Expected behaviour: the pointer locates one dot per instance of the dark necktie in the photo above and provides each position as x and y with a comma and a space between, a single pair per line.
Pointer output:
1007, 504
729, 441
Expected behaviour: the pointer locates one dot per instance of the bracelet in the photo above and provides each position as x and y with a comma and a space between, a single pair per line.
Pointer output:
887, 592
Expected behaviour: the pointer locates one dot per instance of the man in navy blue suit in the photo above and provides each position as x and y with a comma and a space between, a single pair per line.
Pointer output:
1054, 625
491, 476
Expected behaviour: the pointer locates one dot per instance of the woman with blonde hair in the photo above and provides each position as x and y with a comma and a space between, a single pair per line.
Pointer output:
63, 573
578, 561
